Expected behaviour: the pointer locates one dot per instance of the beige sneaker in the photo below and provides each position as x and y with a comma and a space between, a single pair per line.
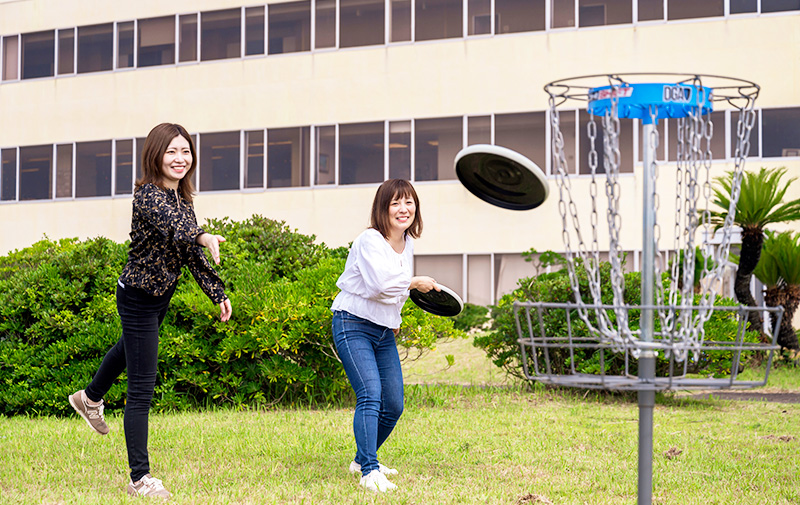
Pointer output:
92, 414
148, 486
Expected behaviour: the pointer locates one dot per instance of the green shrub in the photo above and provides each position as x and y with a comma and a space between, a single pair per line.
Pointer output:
473, 316
58, 318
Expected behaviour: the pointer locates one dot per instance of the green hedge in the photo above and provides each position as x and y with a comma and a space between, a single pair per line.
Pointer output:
58, 318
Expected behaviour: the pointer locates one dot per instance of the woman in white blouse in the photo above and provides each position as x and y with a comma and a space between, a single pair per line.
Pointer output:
366, 318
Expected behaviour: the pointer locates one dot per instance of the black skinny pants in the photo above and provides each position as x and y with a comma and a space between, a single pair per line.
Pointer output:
141, 315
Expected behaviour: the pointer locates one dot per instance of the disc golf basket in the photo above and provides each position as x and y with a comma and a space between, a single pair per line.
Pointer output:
657, 343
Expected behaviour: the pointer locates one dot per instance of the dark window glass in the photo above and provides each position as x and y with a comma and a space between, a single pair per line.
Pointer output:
125, 45
479, 130
38, 54
157, 41
524, 133
569, 133
140, 148
254, 174
254, 30
779, 5
8, 177
650, 10
288, 157
289, 27
361, 22
187, 37
436, 143
64, 171
123, 167
625, 145
220, 35
438, 19
36, 172
325, 170
11, 58
513, 16
479, 13
755, 146
325, 24
688, 9
562, 13
400, 150
66, 51
779, 132
93, 169
95, 48
604, 12
739, 6
360, 153
401, 21
219, 161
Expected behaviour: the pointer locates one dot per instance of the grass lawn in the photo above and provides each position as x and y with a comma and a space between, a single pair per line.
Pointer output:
454, 444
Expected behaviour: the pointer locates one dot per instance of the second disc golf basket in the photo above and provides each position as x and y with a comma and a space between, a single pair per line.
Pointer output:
659, 339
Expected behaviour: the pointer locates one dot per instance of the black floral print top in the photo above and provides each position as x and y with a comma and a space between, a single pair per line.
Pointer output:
163, 233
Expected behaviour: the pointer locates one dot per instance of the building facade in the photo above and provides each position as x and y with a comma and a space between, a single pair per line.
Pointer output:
299, 109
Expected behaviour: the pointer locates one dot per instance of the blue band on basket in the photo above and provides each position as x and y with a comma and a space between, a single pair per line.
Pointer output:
644, 101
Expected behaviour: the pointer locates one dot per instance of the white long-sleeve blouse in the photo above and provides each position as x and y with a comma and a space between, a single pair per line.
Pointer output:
375, 281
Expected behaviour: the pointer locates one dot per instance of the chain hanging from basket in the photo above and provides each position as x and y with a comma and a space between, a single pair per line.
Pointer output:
682, 310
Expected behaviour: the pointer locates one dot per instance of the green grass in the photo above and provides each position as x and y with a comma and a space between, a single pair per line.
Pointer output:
483, 445
470, 367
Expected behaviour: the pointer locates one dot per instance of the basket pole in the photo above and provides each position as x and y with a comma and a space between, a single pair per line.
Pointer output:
647, 360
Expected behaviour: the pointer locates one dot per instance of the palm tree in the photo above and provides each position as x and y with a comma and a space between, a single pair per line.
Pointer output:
760, 204
779, 270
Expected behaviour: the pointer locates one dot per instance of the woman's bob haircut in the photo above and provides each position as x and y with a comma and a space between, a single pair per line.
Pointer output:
155, 145
388, 191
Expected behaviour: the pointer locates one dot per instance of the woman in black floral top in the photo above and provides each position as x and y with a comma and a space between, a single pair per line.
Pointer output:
164, 237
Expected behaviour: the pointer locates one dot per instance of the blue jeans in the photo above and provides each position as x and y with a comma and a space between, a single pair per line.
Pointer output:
369, 355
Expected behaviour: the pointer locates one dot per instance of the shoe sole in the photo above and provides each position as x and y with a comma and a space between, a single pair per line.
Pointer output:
83, 416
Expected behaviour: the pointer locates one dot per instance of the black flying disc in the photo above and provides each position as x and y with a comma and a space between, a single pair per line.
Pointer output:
442, 303
502, 177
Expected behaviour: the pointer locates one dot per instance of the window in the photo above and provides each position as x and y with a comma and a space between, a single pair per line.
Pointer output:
254, 31
123, 168
524, 133
513, 16
717, 141
95, 48
219, 161
779, 132
156, 44
93, 169
400, 150
35, 172
562, 13
779, 5
289, 27
508, 269
220, 35
325, 168
325, 23
140, 149
38, 54
64, 171
401, 21
11, 58
436, 143
288, 157
687, 9
361, 22
361, 153
479, 130
569, 133
8, 174
604, 12
479, 279
480, 17
187, 33
625, 145
125, 45
651, 10
254, 170
739, 6
66, 51
438, 19
446, 267
755, 144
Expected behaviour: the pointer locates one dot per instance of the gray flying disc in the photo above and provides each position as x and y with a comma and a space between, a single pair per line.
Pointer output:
502, 177
441, 303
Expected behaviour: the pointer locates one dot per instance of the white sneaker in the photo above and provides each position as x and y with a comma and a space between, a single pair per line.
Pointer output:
385, 470
376, 481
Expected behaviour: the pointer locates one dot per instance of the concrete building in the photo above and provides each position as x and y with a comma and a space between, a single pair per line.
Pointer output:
301, 108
